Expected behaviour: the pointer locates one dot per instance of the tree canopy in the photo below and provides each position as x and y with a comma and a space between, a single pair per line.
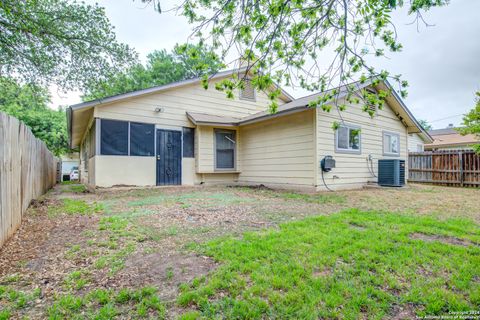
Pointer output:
186, 61
425, 124
314, 44
471, 122
63, 42
29, 104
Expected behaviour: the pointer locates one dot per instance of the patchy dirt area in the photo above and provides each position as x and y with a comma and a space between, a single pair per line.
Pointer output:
73, 243
443, 239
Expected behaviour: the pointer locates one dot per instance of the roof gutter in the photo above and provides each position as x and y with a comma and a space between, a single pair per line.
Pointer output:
269, 116
69, 125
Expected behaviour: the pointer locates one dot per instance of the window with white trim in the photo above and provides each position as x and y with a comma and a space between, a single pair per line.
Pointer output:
225, 149
391, 143
347, 139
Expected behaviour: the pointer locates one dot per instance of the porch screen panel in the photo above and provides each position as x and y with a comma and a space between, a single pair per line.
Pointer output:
188, 142
142, 139
225, 149
114, 137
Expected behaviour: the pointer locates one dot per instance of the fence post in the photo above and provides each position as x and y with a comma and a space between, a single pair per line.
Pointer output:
460, 159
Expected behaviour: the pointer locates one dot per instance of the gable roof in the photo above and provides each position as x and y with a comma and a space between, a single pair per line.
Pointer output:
292, 106
284, 95
83, 111
301, 104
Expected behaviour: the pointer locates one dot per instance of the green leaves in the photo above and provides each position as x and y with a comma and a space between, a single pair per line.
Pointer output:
186, 61
471, 122
29, 104
63, 42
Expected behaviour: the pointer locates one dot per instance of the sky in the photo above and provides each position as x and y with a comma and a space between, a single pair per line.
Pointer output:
441, 62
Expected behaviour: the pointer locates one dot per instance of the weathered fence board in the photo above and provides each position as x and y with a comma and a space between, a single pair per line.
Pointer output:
27, 170
449, 167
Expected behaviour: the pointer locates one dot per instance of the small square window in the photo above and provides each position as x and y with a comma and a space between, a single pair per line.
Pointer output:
347, 139
391, 143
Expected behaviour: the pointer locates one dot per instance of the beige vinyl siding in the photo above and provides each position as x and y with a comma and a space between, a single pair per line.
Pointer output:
176, 102
351, 169
205, 158
125, 171
279, 152
413, 141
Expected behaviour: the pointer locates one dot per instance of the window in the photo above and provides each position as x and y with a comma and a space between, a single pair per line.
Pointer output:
188, 142
224, 149
391, 143
347, 139
114, 137
142, 139
248, 91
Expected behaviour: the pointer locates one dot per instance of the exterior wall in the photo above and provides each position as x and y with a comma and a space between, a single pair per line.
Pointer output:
121, 170
279, 152
175, 104
352, 169
414, 141
87, 152
205, 157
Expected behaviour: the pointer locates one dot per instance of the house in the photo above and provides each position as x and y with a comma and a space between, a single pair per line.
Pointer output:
449, 138
181, 134
417, 141
70, 161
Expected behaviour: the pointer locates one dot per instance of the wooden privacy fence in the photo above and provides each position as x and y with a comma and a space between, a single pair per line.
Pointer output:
27, 170
449, 167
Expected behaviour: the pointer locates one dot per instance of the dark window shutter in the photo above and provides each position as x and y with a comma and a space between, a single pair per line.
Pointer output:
114, 137
142, 139
188, 142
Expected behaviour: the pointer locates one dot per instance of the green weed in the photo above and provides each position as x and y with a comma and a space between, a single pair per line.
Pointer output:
77, 280
77, 188
75, 207
107, 304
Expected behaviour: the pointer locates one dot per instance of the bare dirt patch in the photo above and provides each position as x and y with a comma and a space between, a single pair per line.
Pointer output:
166, 272
441, 238
403, 312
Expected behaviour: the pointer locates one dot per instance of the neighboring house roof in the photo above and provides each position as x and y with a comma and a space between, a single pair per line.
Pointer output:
437, 132
449, 137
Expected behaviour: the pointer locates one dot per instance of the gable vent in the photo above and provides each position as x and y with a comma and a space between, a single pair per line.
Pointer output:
371, 91
248, 92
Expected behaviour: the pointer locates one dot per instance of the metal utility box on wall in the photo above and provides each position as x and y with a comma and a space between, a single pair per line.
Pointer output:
391, 172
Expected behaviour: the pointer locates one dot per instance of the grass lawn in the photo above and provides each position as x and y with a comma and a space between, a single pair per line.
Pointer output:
348, 265
243, 253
